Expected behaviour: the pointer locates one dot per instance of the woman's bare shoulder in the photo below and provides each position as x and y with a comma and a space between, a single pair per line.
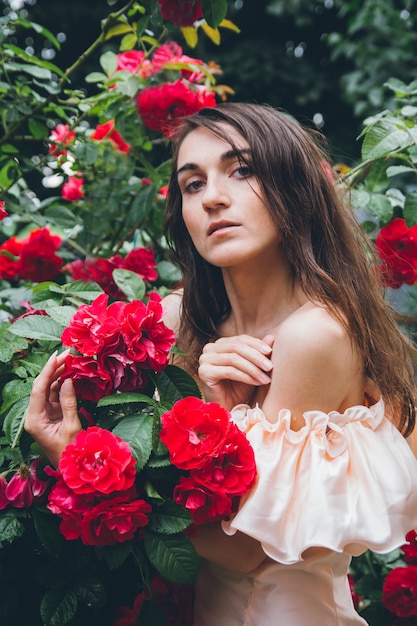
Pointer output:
172, 309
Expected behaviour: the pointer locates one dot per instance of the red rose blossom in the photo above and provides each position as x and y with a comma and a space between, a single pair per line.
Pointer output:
233, 470
399, 592
194, 431
142, 261
69, 506
97, 461
135, 62
114, 521
181, 12
9, 259
204, 506
171, 53
25, 487
109, 132
99, 271
94, 325
91, 381
4, 500
73, 188
147, 338
410, 549
61, 136
38, 259
396, 245
163, 105
3, 212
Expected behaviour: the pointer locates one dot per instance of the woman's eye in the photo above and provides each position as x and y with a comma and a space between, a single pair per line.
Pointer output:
194, 185
243, 171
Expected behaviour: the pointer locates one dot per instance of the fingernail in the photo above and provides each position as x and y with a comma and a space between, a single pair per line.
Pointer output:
265, 379
265, 348
54, 354
266, 364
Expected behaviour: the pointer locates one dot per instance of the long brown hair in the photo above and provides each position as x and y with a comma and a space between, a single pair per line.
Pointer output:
329, 255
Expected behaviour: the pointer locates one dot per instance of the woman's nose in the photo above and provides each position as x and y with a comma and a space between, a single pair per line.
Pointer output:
215, 194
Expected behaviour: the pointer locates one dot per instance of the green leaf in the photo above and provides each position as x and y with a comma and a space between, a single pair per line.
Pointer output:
394, 170
174, 556
173, 383
37, 327
58, 606
381, 207
14, 420
10, 528
108, 62
168, 272
47, 527
86, 152
9, 343
383, 138
38, 129
33, 70
214, 11
125, 398
169, 518
410, 209
15, 390
136, 430
90, 590
115, 555
61, 216
61, 314
130, 283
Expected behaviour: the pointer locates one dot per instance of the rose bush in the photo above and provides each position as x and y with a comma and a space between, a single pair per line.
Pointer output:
83, 261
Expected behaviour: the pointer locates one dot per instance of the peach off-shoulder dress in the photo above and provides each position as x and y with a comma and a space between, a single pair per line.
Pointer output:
342, 484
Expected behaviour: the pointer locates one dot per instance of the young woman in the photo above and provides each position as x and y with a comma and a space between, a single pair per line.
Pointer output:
283, 323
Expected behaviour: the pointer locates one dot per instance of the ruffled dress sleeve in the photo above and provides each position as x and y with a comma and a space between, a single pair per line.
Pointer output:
346, 482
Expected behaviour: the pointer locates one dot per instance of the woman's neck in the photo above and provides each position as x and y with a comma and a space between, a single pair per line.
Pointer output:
260, 300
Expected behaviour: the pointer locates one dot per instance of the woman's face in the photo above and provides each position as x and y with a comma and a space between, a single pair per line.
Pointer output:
222, 201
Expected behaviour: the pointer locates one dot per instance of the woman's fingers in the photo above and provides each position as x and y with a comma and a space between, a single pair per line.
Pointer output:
242, 358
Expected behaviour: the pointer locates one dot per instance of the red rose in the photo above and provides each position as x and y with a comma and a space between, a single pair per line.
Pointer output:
3, 212
181, 12
99, 271
135, 62
233, 470
108, 131
38, 259
410, 549
203, 505
4, 500
114, 521
194, 431
25, 487
396, 245
399, 592
148, 340
69, 506
97, 461
123, 371
163, 105
73, 189
142, 261
171, 53
62, 136
9, 259
91, 381
94, 325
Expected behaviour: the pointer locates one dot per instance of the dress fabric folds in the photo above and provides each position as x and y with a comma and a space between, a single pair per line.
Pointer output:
342, 484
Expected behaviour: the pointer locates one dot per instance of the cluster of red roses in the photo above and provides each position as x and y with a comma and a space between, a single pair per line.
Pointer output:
399, 592
95, 494
396, 245
33, 258
217, 456
116, 344
98, 270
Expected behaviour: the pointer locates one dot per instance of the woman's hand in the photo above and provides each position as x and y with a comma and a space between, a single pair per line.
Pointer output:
52, 418
232, 367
